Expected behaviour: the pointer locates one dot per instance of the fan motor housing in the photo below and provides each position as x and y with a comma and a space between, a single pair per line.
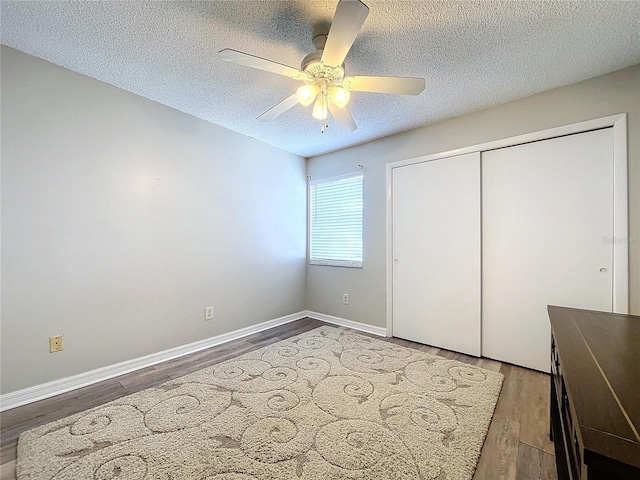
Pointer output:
312, 65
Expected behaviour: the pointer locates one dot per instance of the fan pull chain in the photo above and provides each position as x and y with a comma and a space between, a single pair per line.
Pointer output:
325, 126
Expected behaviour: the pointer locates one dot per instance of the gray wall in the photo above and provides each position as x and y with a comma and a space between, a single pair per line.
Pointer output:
122, 219
598, 97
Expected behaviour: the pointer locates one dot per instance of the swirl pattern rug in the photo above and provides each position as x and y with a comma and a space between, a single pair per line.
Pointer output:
325, 405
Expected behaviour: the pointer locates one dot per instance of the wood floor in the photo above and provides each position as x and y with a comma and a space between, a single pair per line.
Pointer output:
517, 446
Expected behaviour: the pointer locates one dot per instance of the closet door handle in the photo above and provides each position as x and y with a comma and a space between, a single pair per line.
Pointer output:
395, 260
603, 270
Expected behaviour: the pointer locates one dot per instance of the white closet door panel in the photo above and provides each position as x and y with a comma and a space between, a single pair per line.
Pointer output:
436, 248
547, 210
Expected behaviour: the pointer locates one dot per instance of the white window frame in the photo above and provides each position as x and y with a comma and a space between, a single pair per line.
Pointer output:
324, 260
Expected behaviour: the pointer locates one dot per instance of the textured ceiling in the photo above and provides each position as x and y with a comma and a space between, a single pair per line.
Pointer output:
472, 55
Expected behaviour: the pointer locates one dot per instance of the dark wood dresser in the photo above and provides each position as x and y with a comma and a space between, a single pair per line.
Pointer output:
595, 394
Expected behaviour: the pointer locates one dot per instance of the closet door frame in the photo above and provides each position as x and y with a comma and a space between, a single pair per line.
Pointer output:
620, 198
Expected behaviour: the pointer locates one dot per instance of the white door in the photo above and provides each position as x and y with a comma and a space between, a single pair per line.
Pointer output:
436, 253
547, 211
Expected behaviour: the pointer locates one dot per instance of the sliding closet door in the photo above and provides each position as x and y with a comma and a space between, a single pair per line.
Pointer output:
547, 210
436, 253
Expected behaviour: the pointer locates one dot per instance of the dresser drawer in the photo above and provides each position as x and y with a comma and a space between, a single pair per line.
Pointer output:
595, 394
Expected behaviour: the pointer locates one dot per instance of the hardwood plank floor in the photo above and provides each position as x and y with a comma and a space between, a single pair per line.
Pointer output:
517, 446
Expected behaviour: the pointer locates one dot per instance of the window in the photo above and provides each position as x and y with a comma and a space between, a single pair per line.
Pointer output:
335, 221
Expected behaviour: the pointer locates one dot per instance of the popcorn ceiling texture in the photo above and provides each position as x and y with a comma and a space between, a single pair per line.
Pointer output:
472, 54
327, 404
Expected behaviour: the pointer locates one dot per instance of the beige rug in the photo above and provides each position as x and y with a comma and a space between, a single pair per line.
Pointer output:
325, 405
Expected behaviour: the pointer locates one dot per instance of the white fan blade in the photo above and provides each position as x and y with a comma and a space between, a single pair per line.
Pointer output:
343, 118
279, 109
398, 85
347, 22
252, 61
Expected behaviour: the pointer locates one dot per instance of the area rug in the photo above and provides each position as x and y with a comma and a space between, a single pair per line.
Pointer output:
325, 405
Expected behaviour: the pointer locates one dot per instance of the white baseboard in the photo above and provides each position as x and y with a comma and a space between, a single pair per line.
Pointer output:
56, 387
63, 385
343, 322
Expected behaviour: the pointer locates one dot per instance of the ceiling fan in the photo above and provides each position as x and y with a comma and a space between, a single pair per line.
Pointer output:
322, 72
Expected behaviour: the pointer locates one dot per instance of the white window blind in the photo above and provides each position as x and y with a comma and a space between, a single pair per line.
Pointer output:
335, 221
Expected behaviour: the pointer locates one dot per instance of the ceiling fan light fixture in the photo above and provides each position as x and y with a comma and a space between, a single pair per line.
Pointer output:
320, 109
322, 71
339, 96
307, 94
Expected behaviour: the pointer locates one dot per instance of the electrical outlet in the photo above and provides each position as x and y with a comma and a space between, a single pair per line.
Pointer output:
55, 344
208, 313
345, 299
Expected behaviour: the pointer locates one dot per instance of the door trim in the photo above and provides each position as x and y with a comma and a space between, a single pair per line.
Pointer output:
620, 198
